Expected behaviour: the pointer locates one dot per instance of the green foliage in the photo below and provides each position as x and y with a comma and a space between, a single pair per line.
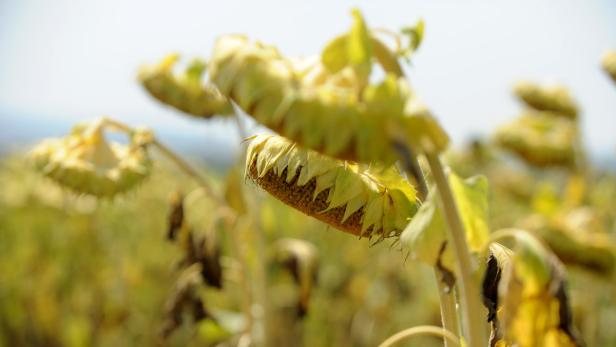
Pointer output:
426, 237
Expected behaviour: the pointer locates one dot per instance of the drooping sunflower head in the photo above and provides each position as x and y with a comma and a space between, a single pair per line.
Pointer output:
540, 138
86, 163
185, 92
355, 199
554, 99
327, 103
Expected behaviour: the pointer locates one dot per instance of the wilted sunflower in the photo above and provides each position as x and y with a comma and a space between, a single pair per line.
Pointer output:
185, 92
327, 104
85, 162
355, 199
526, 293
543, 98
540, 139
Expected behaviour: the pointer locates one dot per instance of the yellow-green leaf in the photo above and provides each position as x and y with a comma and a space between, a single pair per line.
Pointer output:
472, 201
425, 234
360, 45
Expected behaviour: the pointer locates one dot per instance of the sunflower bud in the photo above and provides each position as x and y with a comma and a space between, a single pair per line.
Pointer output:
185, 92
357, 200
85, 162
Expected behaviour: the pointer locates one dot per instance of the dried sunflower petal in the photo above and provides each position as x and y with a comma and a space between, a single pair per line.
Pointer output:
540, 139
185, 92
85, 162
351, 198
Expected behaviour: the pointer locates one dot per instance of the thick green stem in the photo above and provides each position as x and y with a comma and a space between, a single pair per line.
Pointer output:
449, 315
471, 307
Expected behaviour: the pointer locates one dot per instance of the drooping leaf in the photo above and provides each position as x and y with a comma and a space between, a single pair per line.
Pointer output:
472, 202
427, 231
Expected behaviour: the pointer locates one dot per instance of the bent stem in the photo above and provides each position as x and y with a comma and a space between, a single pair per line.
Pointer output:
469, 289
421, 330
186, 168
175, 158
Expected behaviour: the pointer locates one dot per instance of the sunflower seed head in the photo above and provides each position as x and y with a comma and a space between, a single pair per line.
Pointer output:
354, 199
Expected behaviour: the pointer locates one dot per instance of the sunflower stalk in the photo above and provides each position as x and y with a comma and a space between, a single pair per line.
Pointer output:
470, 303
447, 300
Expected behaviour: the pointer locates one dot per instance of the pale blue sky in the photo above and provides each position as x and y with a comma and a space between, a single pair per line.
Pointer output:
67, 60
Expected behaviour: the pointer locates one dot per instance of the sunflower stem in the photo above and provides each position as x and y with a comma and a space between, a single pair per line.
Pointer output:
447, 300
449, 315
470, 303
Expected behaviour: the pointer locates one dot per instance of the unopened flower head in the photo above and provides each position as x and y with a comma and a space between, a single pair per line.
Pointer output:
86, 163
